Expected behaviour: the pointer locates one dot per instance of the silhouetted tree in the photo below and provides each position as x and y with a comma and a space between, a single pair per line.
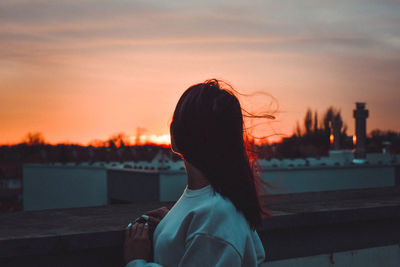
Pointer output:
298, 129
117, 140
34, 139
316, 122
314, 139
378, 139
327, 119
377, 133
97, 143
344, 129
308, 121
337, 119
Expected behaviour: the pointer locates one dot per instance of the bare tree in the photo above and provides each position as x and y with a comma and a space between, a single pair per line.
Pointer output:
298, 129
34, 139
308, 121
117, 140
327, 119
315, 122
345, 128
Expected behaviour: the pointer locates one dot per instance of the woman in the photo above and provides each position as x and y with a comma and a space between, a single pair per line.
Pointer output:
214, 221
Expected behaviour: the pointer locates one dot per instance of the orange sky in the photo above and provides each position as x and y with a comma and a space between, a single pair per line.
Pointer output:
88, 70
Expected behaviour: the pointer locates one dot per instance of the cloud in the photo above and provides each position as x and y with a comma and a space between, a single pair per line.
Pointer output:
302, 51
134, 21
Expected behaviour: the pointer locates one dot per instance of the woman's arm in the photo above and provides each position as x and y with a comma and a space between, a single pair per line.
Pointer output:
202, 250
142, 263
137, 246
206, 250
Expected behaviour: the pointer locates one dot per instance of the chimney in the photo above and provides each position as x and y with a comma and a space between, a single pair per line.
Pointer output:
360, 114
337, 125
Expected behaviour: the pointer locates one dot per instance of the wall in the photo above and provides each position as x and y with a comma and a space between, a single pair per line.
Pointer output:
172, 185
351, 228
311, 179
89, 184
54, 187
388, 256
127, 185
300, 179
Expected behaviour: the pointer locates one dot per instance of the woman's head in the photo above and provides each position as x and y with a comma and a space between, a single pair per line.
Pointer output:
207, 119
207, 130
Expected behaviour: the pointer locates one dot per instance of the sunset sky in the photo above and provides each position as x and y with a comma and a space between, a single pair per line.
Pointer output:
83, 70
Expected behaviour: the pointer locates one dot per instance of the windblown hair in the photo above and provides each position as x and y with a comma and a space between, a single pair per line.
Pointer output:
207, 130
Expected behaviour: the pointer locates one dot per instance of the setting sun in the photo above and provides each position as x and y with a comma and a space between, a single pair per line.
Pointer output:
152, 139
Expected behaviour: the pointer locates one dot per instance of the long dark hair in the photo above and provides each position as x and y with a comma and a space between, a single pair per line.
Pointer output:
207, 130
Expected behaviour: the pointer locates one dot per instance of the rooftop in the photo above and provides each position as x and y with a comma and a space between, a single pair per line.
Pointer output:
302, 225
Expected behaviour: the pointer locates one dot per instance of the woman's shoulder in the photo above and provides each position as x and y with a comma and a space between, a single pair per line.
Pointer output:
219, 218
216, 208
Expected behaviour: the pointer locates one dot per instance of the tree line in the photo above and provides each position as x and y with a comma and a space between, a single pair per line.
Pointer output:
312, 138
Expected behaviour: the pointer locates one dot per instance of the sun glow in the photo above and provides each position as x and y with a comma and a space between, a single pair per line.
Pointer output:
164, 139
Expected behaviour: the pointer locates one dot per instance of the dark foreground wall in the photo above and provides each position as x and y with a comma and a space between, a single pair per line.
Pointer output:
302, 225
131, 186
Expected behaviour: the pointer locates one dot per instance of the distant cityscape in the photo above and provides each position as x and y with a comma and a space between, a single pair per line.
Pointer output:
314, 143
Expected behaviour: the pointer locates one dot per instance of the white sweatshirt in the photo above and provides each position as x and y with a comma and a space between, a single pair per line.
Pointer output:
204, 229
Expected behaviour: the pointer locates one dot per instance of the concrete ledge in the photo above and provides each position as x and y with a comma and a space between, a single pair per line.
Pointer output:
325, 167
302, 225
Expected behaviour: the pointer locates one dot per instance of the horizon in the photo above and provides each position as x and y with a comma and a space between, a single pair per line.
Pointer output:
77, 72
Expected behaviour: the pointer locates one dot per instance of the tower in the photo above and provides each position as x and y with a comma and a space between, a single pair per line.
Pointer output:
337, 125
360, 114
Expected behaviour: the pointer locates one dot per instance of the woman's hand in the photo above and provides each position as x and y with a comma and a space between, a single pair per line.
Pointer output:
137, 242
155, 216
